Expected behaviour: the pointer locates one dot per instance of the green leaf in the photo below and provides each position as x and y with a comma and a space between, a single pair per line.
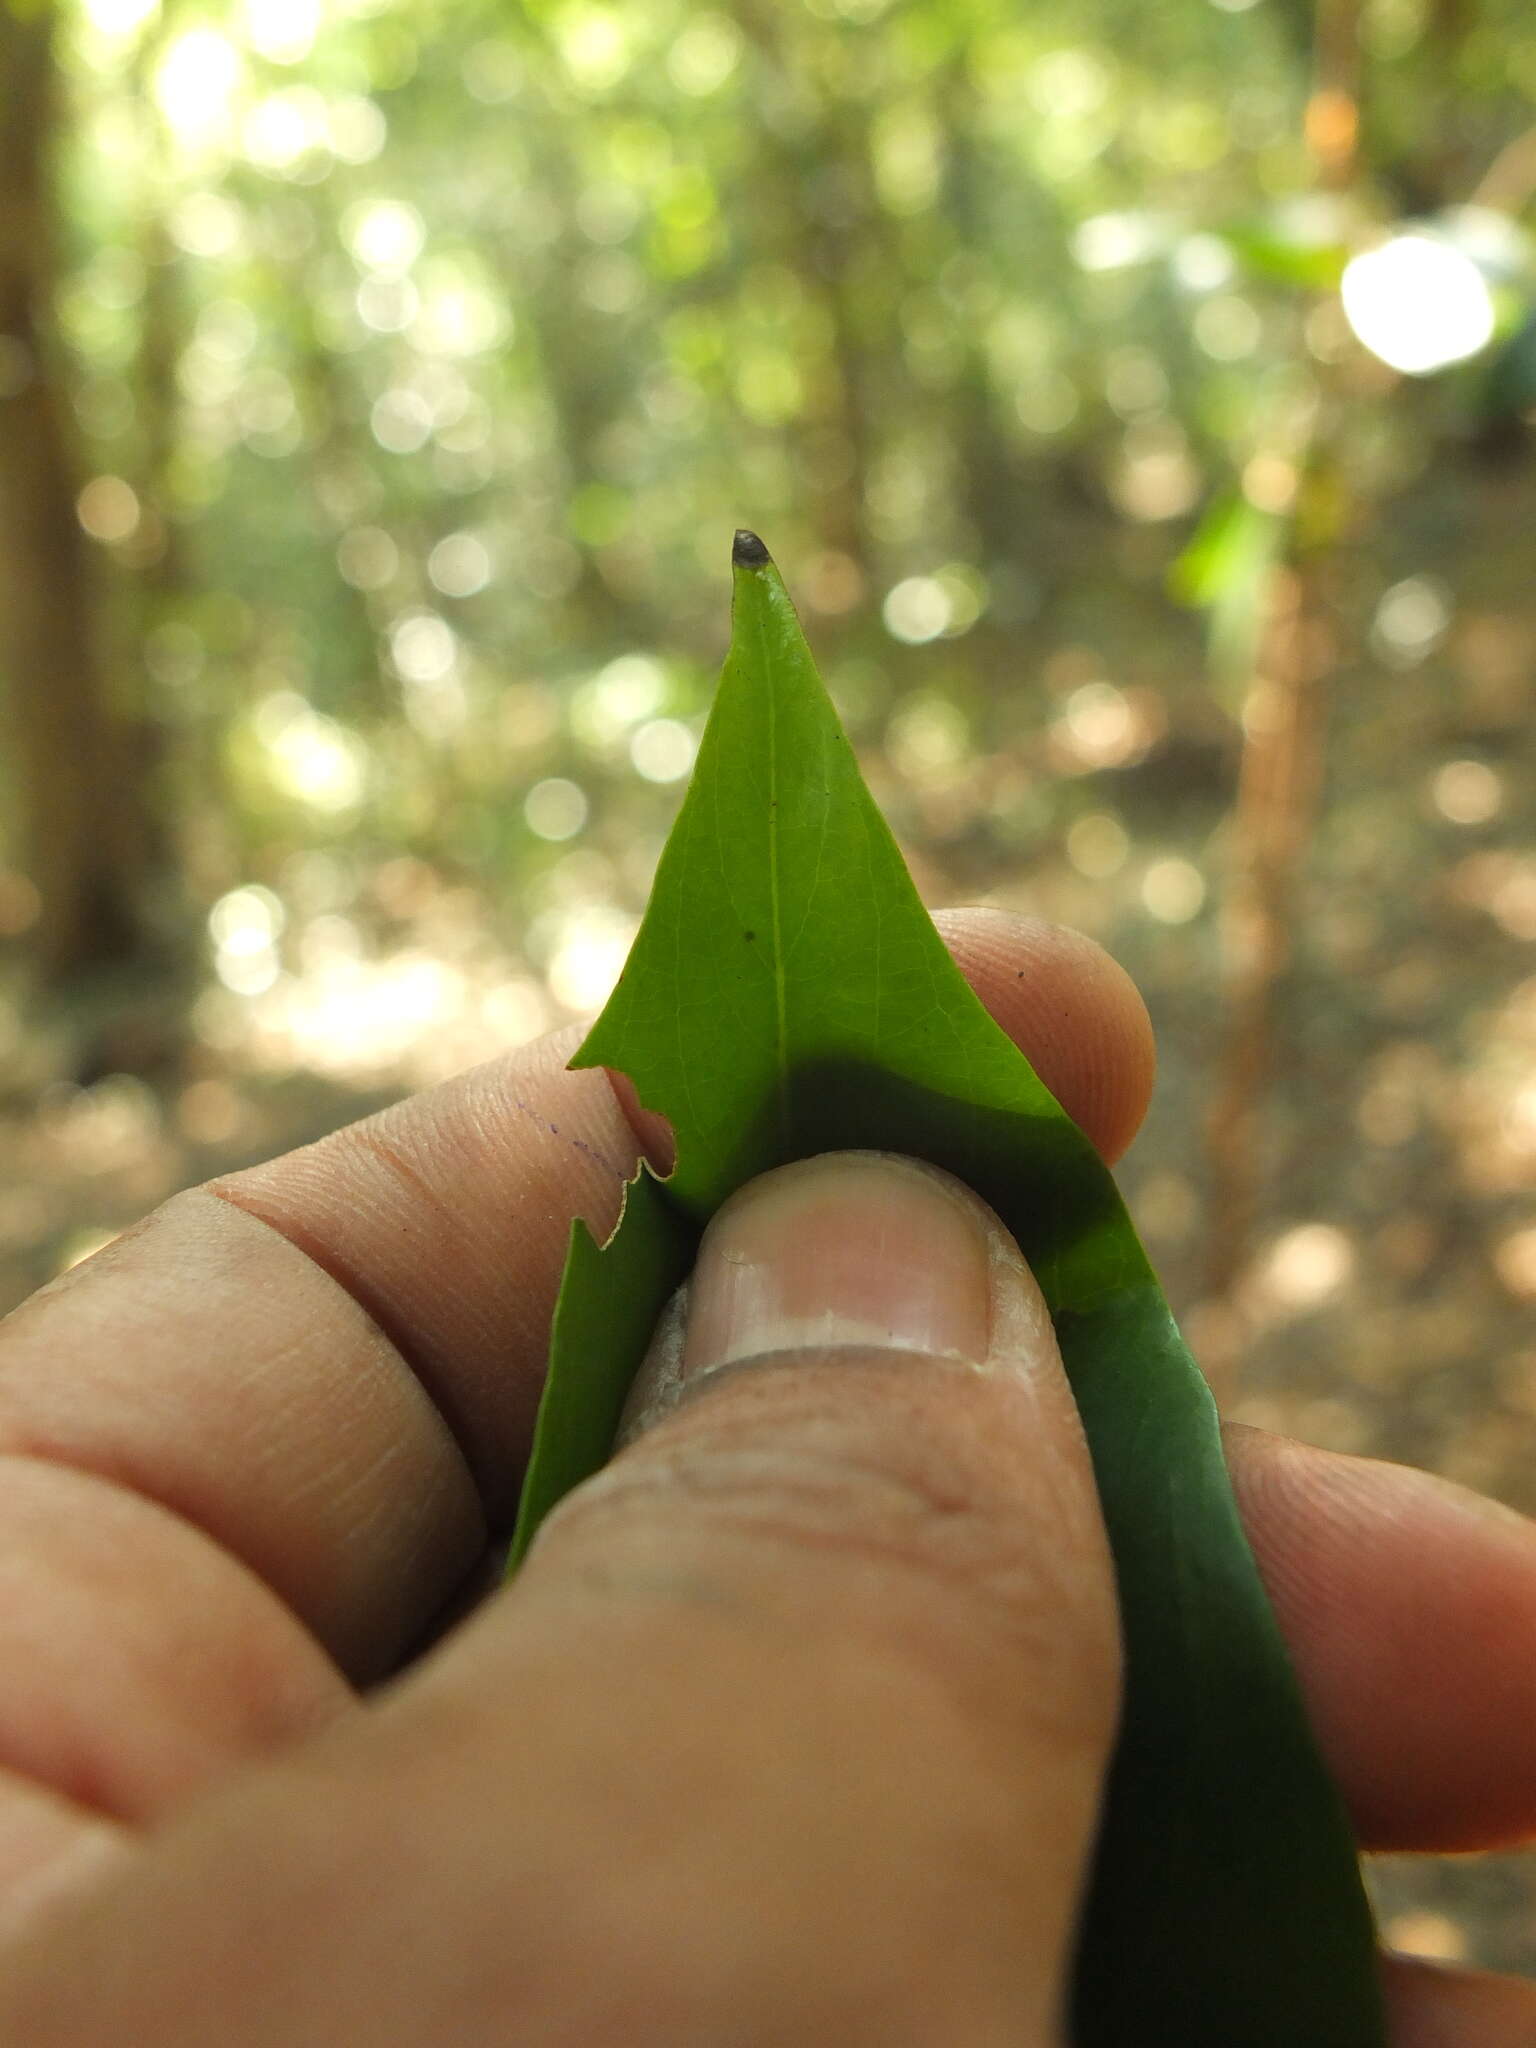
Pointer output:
788, 994
608, 1305
1508, 384
1268, 252
1225, 572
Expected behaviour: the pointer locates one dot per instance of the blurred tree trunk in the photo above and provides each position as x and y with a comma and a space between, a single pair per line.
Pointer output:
1281, 765
1279, 789
84, 838
1004, 510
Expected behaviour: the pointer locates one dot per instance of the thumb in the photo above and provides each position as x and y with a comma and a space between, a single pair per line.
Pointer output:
854, 1438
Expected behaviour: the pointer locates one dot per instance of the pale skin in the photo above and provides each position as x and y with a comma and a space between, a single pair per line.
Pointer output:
794, 1726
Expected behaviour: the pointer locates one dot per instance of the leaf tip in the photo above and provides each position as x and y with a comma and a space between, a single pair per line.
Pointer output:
748, 552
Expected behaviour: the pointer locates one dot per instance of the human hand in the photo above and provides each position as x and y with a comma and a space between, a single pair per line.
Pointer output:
792, 1727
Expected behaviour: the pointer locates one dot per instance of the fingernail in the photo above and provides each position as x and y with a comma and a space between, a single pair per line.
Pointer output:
847, 1248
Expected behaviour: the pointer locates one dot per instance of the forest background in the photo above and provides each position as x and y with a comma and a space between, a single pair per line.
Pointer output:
1139, 403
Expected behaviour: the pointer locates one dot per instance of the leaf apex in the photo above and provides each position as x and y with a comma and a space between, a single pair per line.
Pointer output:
748, 552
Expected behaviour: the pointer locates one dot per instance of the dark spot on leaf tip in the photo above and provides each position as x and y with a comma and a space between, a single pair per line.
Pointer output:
748, 551
749, 935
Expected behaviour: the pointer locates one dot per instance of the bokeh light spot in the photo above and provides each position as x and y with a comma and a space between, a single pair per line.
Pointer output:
662, 750
367, 557
108, 509
1307, 1266
916, 610
1097, 845
384, 234
1173, 890
195, 84
282, 31
422, 646
401, 420
706, 52
1411, 620
245, 926
1515, 1259
589, 957
1418, 304
555, 808
460, 565
1467, 792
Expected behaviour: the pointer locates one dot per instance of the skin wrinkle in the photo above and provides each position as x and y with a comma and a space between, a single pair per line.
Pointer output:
264, 1679
49, 1293
793, 1520
1450, 1582
49, 1847
366, 1523
327, 1259
363, 1391
330, 1213
919, 1501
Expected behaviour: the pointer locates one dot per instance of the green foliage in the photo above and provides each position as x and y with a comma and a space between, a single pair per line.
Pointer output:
787, 994
1225, 573
610, 1298
1309, 263
427, 343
